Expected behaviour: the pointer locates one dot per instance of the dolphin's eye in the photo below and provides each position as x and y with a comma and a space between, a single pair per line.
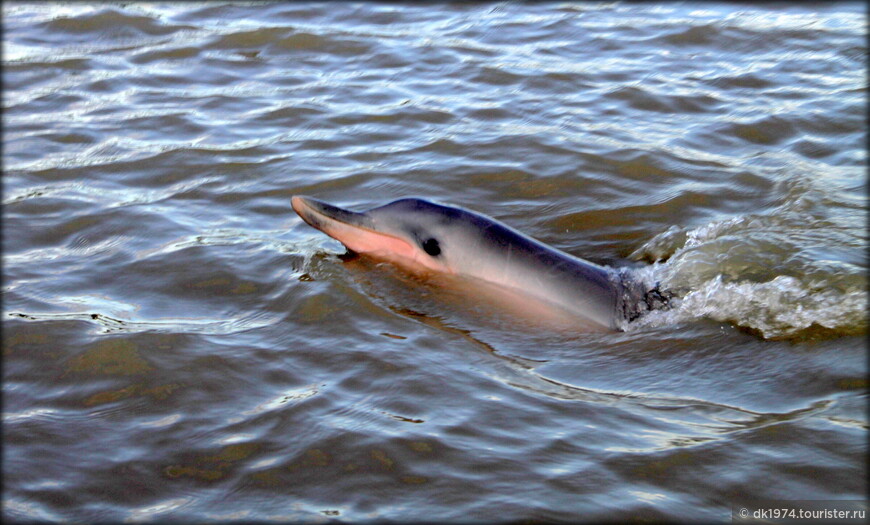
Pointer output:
431, 247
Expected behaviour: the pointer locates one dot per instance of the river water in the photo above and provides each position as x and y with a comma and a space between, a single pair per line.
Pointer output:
178, 345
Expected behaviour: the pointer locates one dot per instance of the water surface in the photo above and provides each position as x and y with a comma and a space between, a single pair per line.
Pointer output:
178, 345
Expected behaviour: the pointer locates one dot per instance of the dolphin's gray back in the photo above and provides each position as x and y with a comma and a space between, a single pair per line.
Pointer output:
517, 260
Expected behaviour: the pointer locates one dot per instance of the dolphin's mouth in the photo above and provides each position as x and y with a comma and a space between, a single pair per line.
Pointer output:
356, 231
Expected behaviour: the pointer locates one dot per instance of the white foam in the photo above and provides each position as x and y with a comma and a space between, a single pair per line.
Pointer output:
718, 275
778, 308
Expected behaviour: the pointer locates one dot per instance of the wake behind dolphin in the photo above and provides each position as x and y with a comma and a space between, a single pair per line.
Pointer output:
423, 236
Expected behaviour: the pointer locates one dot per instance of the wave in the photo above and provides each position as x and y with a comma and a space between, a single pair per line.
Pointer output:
782, 308
789, 272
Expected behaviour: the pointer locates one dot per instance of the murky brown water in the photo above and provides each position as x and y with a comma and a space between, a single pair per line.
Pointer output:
178, 345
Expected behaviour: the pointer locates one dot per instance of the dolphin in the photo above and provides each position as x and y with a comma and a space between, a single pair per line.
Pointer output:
426, 237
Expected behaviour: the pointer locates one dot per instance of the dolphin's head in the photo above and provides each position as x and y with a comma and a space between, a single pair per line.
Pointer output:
423, 236
413, 233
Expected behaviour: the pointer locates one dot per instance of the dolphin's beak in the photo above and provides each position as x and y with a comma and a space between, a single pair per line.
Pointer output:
356, 231
322, 215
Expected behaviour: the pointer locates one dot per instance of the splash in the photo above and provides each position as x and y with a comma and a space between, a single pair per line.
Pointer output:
782, 308
783, 273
